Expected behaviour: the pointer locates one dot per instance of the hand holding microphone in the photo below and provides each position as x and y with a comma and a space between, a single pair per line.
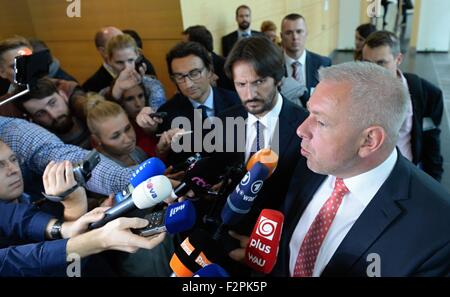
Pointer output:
149, 193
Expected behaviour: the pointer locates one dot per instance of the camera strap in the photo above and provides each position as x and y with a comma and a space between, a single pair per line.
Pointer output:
63, 195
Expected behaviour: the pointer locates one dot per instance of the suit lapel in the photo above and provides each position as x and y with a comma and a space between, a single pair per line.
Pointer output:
377, 216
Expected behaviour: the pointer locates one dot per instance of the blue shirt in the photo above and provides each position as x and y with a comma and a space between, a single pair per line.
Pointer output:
155, 91
36, 147
46, 258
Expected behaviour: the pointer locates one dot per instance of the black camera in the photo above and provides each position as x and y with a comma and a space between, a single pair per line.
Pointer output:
82, 170
28, 69
138, 63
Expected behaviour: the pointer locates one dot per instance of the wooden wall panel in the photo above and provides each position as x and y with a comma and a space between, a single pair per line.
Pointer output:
15, 19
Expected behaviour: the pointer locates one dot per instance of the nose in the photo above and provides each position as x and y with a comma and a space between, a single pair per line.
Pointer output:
53, 114
11, 168
303, 129
138, 103
248, 92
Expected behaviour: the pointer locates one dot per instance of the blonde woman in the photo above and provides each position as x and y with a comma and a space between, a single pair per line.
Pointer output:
112, 133
123, 56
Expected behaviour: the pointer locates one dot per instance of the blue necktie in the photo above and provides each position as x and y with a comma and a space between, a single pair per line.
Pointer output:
204, 113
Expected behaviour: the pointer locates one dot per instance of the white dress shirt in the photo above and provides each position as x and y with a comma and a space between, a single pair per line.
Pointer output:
208, 103
362, 188
404, 135
269, 120
302, 60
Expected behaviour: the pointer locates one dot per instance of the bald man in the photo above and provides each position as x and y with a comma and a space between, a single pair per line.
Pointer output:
104, 76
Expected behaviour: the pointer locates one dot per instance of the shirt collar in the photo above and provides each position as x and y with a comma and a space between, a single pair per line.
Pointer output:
209, 102
402, 77
269, 118
289, 60
109, 69
248, 31
365, 185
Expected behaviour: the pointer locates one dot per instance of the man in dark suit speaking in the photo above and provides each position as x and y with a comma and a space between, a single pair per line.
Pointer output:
243, 19
301, 65
361, 208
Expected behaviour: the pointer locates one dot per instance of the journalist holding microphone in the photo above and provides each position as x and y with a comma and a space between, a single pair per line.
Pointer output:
28, 230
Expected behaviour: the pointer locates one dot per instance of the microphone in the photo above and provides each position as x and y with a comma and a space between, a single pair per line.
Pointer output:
149, 168
265, 156
176, 218
240, 201
262, 249
211, 270
195, 252
201, 176
147, 194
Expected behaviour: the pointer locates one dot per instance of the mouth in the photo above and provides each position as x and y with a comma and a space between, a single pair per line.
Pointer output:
16, 184
304, 152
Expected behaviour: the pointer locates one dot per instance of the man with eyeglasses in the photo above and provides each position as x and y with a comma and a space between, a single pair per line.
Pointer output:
190, 68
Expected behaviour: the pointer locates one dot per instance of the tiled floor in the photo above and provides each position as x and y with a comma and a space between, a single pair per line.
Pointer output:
434, 67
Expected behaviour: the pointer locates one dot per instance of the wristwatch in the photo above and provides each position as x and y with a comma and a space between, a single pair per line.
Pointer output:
55, 232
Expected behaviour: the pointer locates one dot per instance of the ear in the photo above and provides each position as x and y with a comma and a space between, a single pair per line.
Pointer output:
64, 96
399, 59
95, 141
372, 140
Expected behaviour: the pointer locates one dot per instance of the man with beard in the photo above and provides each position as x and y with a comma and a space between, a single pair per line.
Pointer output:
48, 107
255, 65
243, 18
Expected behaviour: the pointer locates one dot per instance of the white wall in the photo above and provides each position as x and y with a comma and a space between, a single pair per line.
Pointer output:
434, 26
349, 14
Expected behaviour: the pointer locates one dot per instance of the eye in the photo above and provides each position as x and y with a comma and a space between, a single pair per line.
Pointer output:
13, 159
39, 114
259, 82
52, 103
320, 123
115, 136
239, 84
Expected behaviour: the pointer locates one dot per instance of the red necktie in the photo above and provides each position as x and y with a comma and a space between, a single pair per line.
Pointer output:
306, 259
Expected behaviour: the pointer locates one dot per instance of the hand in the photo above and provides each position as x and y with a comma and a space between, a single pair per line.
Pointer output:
127, 79
117, 235
71, 229
108, 202
165, 141
145, 121
58, 178
178, 176
239, 254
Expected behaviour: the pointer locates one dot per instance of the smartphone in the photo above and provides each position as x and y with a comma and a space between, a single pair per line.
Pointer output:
138, 63
156, 224
28, 69
161, 114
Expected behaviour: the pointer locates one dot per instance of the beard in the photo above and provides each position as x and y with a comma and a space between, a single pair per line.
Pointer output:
244, 26
62, 124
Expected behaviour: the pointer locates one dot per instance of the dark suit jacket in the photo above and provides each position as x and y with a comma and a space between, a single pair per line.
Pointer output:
98, 81
313, 63
275, 187
223, 82
180, 106
427, 102
229, 40
406, 224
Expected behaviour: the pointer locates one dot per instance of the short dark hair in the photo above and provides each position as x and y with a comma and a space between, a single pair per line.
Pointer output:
135, 36
43, 88
366, 29
384, 38
184, 49
242, 6
201, 35
263, 54
12, 43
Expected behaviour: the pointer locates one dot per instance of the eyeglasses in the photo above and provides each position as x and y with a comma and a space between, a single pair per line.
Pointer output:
193, 75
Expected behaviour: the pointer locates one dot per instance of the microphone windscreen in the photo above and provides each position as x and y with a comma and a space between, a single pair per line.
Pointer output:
240, 201
265, 156
211, 270
151, 192
262, 249
149, 168
180, 217
194, 253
